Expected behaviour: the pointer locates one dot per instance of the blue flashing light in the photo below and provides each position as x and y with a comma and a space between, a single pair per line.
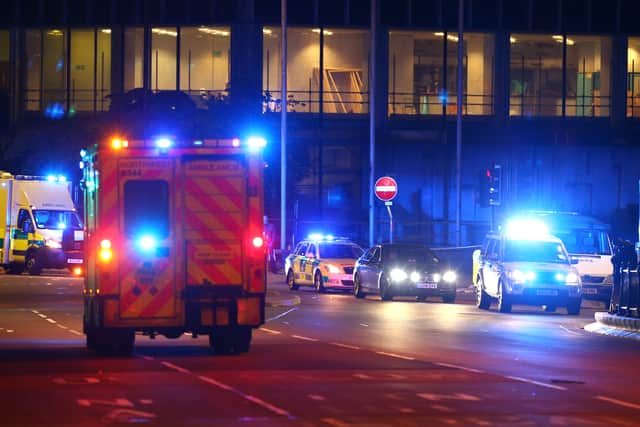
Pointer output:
526, 229
198, 143
51, 178
329, 237
62, 178
255, 142
81, 164
147, 243
315, 236
163, 143
560, 277
83, 153
62, 226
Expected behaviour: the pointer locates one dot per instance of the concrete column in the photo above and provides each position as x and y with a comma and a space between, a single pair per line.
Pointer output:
117, 60
246, 61
619, 78
501, 76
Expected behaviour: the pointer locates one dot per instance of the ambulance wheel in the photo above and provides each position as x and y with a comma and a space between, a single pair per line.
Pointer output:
291, 282
318, 283
15, 268
483, 300
504, 300
33, 264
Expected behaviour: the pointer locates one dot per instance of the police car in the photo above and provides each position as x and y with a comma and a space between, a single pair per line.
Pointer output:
526, 265
323, 262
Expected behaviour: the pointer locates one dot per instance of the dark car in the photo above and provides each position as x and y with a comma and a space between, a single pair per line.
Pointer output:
403, 269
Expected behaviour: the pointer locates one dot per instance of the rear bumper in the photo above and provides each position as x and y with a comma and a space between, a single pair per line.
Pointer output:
338, 281
410, 289
57, 258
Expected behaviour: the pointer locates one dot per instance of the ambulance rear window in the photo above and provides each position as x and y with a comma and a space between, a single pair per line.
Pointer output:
146, 208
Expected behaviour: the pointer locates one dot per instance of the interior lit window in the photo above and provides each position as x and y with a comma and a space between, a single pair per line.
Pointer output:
4, 59
82, 70
32, 84
54, 71
133, 58
346, 71
633, 77
418, 83
536, 75
164, 46
204, 62
588, 91
103, 71
271, 68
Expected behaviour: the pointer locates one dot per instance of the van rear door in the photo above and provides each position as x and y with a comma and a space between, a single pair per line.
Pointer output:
215, 221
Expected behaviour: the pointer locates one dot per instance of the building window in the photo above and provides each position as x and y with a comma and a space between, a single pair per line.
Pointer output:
164, 47
133, 58
4, 59
633, 77
588, 92
418, 83
345, 75
536, 75
58, 89
343, 78
204, 61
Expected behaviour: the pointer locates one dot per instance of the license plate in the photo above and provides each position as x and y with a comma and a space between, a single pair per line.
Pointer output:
591, 291
427, 285
74, 261
548, 292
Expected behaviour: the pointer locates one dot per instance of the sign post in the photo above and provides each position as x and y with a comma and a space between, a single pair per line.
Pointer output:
386, 189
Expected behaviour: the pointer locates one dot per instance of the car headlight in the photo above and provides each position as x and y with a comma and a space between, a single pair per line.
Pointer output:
53, 244
333, 269
516, 276
415, 277
449, 276
437, 277
572, 279
398, 275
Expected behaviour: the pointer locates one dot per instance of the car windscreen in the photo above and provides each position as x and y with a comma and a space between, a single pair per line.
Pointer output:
534, 251
412, 255
336, 250
586, 241
57, 219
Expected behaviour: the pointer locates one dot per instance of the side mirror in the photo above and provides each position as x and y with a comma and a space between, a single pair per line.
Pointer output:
477, 255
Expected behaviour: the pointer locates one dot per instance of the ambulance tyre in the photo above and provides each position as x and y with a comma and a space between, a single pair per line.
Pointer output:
291, 282
230, 340
111, 342
33, 264
15, 268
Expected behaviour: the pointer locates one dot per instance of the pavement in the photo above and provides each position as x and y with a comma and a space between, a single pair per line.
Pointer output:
614, 325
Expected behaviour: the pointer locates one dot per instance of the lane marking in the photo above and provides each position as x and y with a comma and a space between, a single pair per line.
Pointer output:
619, 402
61, 326
73, 331
281, 315
441, 408
50, 320
463, 368
351, 347
398, 356
270, 331
301, 337
44, 316
541, 384
334, 422
35, 311
316, 397
175, 367
10, 331
363, 376
147, 357
249, 397
568, 331
454, 396
364, 324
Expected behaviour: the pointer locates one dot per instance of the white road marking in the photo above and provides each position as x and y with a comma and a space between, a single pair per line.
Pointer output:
363, 376
316, 397
568, 331
175, 367
281, 315
50, 320
35, 311
334, 422
441, 408
463, 368
301, 337
147, 358
116, 402
73, 331
619, 402
10, 331
541, 384
270, 331
364, 324
454, 396
146, 401
256, 400
61, 326
398, 356
351, 347
44, 316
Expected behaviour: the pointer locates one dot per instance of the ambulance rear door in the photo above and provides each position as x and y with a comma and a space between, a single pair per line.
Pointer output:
147, 249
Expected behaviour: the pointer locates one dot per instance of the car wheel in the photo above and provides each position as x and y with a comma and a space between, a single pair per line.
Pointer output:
449, 298
550, 308
318, 282
357, 288
573, 306
385, 290
483, 300
33, 264
291, 283
504, 302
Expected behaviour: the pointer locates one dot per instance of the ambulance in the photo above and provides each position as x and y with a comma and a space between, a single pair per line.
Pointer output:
174, 241
41, 226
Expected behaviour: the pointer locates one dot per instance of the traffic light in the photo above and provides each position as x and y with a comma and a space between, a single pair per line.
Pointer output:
484, 188
495, 195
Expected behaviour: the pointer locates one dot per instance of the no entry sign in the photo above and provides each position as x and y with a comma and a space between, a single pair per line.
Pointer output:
386, 188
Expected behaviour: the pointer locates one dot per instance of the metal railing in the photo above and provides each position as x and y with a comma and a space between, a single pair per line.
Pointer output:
410, 103
581, 106
80, 100
309, 101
